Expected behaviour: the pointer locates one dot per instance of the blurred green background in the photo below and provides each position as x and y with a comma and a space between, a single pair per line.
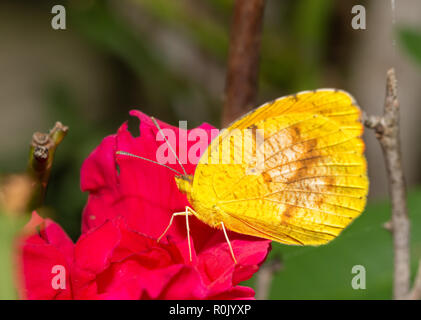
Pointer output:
168, 58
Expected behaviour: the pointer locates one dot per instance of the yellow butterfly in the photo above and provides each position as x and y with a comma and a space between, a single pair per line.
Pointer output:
311, 184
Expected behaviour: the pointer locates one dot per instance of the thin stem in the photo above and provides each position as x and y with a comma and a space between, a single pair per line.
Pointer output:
243, 60
265, 276
387, 133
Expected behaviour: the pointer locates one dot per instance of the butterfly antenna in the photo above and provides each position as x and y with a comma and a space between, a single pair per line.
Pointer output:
124, 153
163, 135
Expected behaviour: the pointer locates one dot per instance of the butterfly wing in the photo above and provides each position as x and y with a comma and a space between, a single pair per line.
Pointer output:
336, 104
313, 182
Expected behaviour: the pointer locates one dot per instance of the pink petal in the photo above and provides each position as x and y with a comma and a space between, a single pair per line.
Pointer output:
38, 254
236, 293
94, 250
99, 177
217, 263
186, 284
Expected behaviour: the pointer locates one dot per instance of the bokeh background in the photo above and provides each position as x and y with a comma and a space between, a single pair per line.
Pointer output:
168, 59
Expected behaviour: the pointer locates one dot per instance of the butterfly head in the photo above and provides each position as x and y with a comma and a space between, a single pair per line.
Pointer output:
184, 183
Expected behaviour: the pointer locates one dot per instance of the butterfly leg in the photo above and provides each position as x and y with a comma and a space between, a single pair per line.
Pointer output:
188, 212
171, 220
228, 241
188, 230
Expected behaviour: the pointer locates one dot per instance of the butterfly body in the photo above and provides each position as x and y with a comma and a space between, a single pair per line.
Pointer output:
205, 208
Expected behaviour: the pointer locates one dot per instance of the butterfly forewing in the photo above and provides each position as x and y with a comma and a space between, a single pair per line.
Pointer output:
312, 182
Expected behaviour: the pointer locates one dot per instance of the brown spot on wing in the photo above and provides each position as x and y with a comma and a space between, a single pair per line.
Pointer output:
266, 177
309, 147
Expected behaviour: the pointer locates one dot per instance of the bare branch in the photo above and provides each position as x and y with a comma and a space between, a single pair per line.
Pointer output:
243, 60
387, 132
371, 122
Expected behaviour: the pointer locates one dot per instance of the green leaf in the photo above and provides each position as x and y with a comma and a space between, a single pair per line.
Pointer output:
410, 40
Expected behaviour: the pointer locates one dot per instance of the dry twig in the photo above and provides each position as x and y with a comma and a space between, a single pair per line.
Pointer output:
264, 277
243, 60
43, 147
386, 129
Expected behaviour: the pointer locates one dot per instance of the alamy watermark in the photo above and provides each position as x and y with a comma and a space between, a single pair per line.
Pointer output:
59, 279
58, 22
359, 19
230, 146
358, 281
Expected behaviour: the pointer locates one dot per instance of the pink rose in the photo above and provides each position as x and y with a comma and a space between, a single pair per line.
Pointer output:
129, 206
